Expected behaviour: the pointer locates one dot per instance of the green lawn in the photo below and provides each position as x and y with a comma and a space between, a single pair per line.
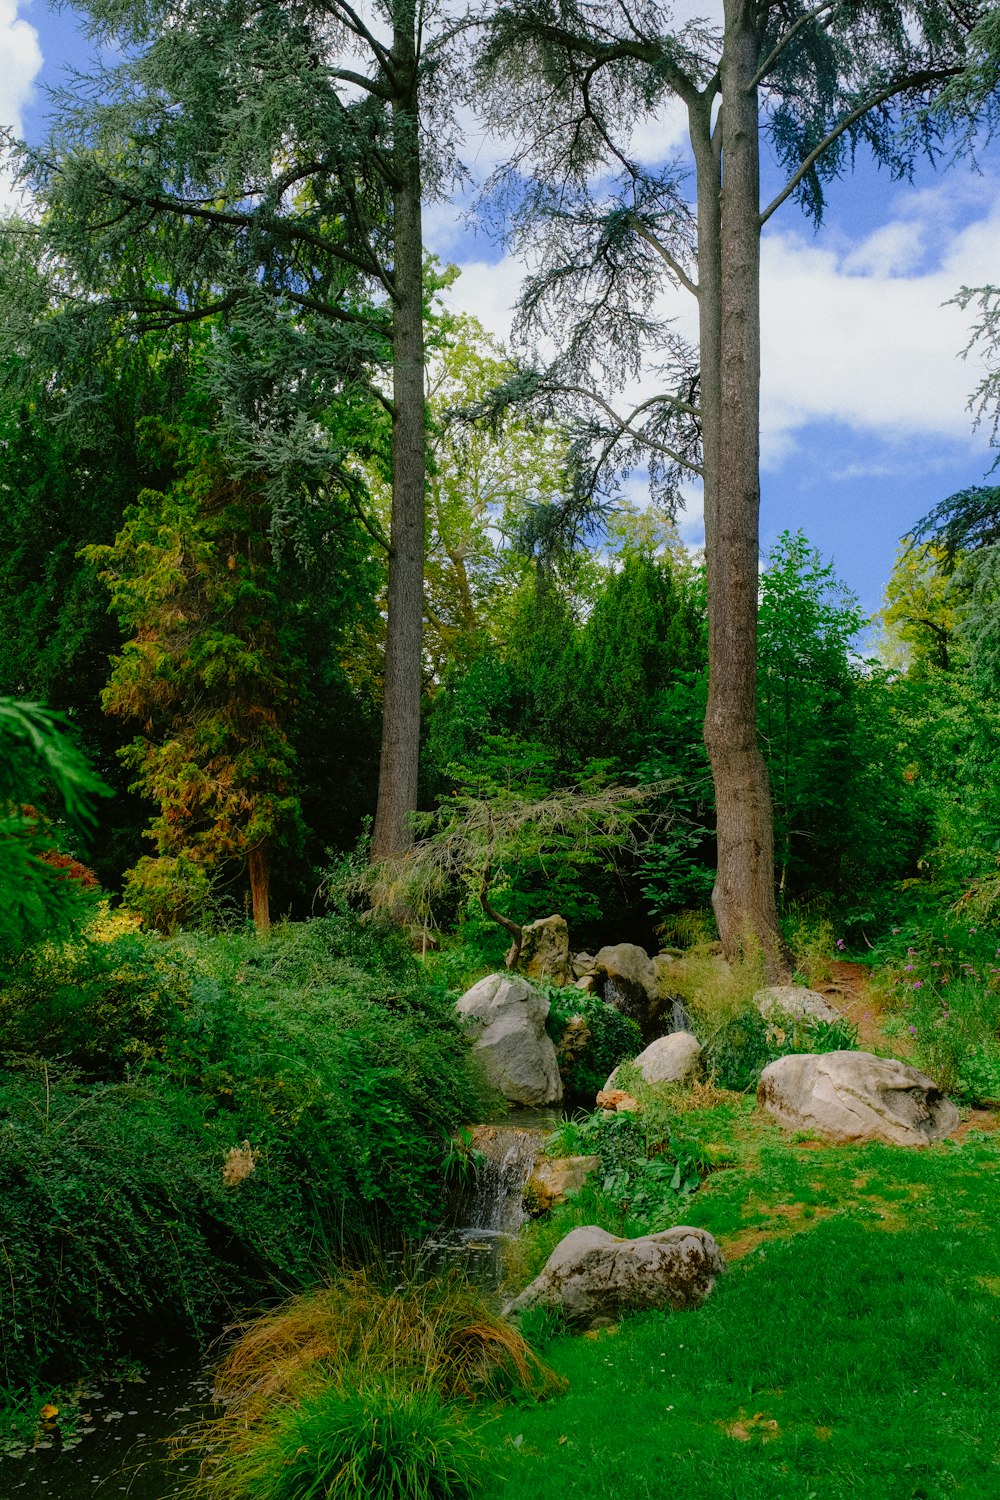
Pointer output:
853, 1348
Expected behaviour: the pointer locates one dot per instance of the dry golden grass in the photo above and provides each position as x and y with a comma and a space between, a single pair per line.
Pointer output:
438, 1337
439, 1333
240, 1163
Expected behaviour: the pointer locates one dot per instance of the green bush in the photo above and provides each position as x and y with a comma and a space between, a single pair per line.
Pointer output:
323, 1049
383, 1443
106, 1008
739, 1050
941, 983
611, 1038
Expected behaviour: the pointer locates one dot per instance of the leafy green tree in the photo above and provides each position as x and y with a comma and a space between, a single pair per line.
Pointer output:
919, 612
212, 671
820, 81
848, 816
267, 163
643, 631
40, 766
807, 710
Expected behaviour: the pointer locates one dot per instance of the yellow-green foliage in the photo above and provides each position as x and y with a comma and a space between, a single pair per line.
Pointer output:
716, 992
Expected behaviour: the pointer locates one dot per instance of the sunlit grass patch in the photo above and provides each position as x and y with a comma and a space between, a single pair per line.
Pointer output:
859, 1316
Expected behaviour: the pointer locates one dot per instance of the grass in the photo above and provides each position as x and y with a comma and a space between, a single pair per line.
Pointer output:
853, 1348
362, 1388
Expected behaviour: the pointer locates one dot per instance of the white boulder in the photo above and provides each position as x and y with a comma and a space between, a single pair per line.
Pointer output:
795, 1001
506, 1017
594, 1277
855, 1096
670, 1059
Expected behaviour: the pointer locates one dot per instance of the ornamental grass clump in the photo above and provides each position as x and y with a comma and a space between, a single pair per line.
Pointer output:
380, 1443
353, 1389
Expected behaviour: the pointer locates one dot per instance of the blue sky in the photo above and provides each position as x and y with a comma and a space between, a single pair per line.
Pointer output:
864, 425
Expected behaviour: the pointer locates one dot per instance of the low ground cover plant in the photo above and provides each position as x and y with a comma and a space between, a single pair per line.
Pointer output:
363, 1387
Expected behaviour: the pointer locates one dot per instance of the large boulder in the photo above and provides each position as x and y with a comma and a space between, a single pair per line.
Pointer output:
506, 1016
545, 952
796, 1002
629, 982
854, 1096
593, 1276
670, 1059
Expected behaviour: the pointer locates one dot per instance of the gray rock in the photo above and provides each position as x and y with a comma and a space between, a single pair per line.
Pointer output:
795, 1001
594, 1277
545, 951
583, 963
554, 1177
854, 1096
670, 1059
667, 970
629, 982
506, 1017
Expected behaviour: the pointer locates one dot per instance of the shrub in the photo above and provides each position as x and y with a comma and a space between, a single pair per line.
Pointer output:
322, 1050
354, 1389
588, 1054
943, 991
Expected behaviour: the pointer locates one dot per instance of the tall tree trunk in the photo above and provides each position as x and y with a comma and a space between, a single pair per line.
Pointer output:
397, 788
260, 888
743, 897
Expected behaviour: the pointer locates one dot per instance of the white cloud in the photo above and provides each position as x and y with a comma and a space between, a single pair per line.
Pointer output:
22, 56
859, 331
488, 290
862, 338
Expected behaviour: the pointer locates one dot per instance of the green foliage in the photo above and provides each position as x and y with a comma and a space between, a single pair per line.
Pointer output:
143, 1066
743, 1045
840, 822
941, 984
39, 762
611, 1038
507, 834
362, 1388
381, 1443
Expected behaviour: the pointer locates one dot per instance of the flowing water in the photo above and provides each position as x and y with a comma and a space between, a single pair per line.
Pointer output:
487, 1215
117, 1446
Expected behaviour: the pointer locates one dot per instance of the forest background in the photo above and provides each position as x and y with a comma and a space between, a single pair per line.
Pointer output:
210, 415
197, 576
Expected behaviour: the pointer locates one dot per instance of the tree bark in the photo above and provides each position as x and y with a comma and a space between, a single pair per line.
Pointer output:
743, 897
397, 789
260, 889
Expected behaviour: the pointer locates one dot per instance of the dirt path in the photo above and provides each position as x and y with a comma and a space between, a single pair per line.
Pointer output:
848, 990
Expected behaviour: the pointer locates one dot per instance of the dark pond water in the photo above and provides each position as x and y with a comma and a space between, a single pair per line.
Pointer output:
118, 1448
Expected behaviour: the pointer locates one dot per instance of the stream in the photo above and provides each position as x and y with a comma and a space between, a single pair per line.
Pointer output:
118, 1447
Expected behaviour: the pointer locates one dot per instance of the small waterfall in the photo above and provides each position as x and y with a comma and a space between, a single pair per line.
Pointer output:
490, 1211
507, 1160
